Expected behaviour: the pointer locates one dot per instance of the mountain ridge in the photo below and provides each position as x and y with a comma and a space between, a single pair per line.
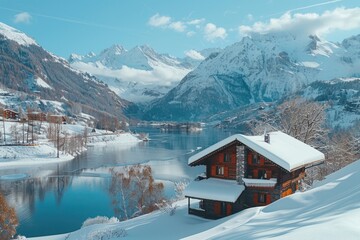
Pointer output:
140, 74
271, 66
27, 67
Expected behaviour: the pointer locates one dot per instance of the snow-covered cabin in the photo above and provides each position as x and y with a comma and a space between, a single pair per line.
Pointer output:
36, 116
247, 171
10, 114
57, 119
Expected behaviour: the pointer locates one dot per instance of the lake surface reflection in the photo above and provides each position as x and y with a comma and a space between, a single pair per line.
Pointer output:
58, 198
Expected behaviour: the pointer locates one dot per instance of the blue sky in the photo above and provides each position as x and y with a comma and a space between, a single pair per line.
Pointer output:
174, 27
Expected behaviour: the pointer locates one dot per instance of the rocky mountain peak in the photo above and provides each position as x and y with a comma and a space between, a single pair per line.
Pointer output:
15, 35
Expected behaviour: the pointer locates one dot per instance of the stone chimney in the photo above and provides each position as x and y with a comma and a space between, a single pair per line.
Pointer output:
267, 138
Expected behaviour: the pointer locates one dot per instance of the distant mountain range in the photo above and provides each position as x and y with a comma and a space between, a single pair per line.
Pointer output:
260, 68
47, 82
214, 83
140, 74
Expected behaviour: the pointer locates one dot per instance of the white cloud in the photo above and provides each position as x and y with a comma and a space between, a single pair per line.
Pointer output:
212, 32
23, 17
159, 21
164, 76
308, 23
190, 33
196, 21
165, 22
177, 26
194, 55
250, 17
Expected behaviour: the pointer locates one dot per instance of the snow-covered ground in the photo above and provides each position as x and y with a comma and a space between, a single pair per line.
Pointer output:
331, 210
43, 151
14, 156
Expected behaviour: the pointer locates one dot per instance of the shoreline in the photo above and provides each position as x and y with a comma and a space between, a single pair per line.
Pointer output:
45, 153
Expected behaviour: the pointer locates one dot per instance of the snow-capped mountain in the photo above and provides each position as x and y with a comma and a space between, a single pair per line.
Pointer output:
42, 79
139, 74
258, 68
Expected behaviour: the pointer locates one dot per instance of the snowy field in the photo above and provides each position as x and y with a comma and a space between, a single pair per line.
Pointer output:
43, 151
331, 210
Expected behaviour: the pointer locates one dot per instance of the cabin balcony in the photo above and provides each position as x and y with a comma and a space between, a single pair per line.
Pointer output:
197, 212
261, 183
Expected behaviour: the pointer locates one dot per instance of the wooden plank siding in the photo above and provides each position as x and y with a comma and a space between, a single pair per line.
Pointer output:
258, 169
225, 159
252, 196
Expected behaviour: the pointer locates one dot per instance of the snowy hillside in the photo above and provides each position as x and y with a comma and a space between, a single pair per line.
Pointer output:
258, 68
342, 97
38, 79
139, 74
330, 210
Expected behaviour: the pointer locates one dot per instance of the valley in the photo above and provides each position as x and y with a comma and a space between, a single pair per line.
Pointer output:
110, 112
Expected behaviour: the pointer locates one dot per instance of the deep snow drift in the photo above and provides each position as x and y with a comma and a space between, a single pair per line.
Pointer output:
331, 210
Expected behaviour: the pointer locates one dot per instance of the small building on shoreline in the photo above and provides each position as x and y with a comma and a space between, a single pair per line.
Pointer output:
10, 114
248, 171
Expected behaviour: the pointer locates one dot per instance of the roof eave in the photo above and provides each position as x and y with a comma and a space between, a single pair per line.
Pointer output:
198, 161
187, 196
309, 165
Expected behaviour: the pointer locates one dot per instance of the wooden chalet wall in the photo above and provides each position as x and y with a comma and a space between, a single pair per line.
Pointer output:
290, 181
261, 168
225, 159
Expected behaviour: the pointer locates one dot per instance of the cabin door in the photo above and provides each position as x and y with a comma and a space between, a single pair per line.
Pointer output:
228, 209
217, 208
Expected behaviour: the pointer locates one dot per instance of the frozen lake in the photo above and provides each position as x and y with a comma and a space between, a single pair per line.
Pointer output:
54, 199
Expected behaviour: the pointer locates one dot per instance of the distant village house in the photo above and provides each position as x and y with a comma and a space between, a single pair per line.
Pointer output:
10, 114
248, 171
36, 116
57, 119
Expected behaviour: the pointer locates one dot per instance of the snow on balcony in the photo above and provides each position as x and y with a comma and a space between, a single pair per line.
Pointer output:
251, 182
214, 189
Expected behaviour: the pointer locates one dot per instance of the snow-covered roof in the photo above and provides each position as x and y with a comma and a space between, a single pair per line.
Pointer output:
252, 182
213, 148
283, 150
215, 189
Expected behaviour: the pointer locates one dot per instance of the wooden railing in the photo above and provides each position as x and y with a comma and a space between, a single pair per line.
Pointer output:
197, 212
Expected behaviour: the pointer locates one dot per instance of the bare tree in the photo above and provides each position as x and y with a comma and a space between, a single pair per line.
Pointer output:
8, 220
342, 150
22, 121
304, 120
15, 133
57, 130
85, 135
134, 191
3, 117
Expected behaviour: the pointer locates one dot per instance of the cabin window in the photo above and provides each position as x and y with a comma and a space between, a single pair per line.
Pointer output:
255, 158
223, 208
219, 170
262, 174
201, 204
261, 198
226, 157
